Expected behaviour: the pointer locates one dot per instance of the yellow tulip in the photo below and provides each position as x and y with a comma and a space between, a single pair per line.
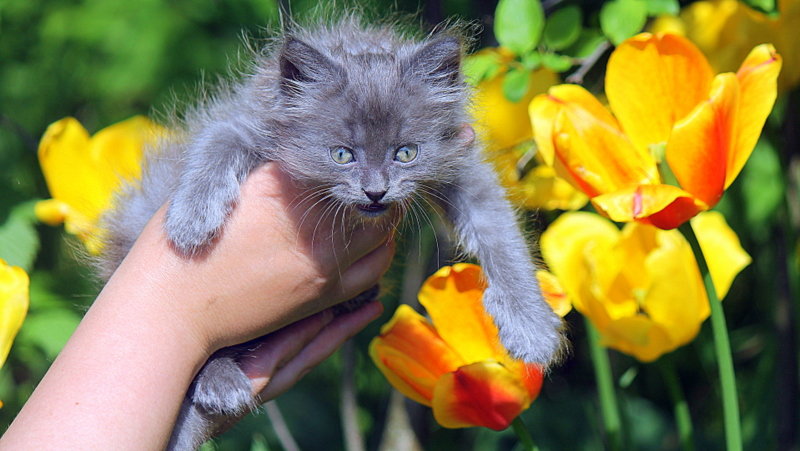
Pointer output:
82, 172
456, 364
640, 286
726, 30
13, 305
666, 104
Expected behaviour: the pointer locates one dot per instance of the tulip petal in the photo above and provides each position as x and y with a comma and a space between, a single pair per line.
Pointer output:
652, 81
595, 156
585, 144
453, 299
484, 394
757, 77
69, 172
721, 249
544, 109
567, 244
637, 336
702, 142
553, 293
51, 211
13, 305
664, 206
118, 150
676, 298
411, 355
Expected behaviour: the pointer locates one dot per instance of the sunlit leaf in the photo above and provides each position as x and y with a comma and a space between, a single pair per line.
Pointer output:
587, 43
621, 19
49, 329
563, 28
515, 84
518, 24
481, 66
19, 241
658, 7
532, 61
556, 63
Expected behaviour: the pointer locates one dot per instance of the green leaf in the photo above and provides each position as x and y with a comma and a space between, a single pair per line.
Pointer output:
515, 84
659, 7
479, 67
766, 6
586, 44
563, 28
19, 241
532, 61
556, 63
621, 19
49, 329
518, 24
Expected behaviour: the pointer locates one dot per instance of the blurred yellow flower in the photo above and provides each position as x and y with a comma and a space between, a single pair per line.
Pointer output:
505, 128
82, 172
640, 286
666, 104
13, 305
456, 365
726, 30
500, 122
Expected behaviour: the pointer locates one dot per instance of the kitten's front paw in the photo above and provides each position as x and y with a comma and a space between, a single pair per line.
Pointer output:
528, 327
222, 388
191, 226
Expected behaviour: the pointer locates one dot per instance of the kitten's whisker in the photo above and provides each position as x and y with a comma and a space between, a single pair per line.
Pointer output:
433, 227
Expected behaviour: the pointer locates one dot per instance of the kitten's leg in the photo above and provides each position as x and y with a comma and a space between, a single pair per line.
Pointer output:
216, 163
220, 390
487, 228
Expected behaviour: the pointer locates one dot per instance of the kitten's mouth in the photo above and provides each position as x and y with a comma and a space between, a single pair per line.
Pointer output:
373, 209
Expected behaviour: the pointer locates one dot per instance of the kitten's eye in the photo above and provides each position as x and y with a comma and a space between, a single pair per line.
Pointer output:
406, 153
342, 155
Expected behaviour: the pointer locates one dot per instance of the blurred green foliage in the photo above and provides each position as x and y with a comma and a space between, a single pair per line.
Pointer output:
103, 61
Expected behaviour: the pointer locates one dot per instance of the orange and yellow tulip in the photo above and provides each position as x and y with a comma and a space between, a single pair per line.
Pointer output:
455, 364
83, 172
667, 105
640, 286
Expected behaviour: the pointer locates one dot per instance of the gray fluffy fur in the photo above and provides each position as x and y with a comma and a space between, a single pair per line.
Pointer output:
372, 90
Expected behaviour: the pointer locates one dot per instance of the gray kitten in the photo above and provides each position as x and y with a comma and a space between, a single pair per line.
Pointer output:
376, 119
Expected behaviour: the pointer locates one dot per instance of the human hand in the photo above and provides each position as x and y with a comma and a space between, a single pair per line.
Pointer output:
276, 362
281, 257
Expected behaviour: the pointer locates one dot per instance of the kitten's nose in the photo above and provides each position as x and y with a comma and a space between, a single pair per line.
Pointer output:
375, 196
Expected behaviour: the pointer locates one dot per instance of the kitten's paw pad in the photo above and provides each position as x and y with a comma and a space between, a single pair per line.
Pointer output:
222, 388
530, 331
191, 229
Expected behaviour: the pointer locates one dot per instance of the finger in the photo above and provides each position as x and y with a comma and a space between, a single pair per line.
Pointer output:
323, 346
274, 350
365, 273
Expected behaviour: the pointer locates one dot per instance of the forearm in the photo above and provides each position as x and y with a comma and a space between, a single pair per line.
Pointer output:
119, 382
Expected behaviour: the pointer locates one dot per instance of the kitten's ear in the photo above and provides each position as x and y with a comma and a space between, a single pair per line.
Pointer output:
439, 60
300, 63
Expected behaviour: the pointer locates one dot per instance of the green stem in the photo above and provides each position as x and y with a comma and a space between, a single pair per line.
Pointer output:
605, 388
682, 416
722, 347
524, 436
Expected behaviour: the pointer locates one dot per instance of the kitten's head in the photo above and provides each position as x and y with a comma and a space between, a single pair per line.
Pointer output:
374, 120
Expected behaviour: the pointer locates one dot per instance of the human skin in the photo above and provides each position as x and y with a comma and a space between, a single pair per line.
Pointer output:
119, 381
